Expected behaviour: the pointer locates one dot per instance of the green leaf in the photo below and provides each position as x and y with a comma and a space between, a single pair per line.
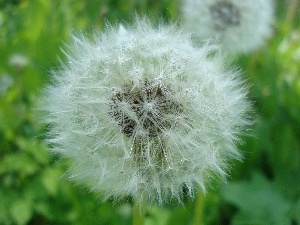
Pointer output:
297, 212
18, 162
21, 211
3, 207
60, 212
35, 189
258, 202
36, 148
50, 179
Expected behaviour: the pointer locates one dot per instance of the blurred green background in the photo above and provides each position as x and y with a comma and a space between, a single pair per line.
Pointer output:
263, 190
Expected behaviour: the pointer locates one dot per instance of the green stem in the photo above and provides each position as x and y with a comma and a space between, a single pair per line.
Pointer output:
199, 207
139, 209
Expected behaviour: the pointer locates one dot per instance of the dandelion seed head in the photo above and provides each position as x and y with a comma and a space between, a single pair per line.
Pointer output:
142, 112
239, 26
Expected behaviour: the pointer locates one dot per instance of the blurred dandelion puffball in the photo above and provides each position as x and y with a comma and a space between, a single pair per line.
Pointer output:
143, 113
241, 26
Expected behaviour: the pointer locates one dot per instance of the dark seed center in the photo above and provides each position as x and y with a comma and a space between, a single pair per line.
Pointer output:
225, 14
146, 109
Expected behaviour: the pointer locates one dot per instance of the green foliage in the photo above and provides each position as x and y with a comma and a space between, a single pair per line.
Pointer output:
264, 189
258, 202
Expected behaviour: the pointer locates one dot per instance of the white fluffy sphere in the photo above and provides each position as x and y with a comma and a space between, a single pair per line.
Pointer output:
143, 113
240, 26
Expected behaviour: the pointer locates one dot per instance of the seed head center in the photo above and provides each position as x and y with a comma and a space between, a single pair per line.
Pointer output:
148, 106
225, 14
149, 109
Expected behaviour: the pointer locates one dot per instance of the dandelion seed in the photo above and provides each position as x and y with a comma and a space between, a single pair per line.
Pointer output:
239, 26
144, 113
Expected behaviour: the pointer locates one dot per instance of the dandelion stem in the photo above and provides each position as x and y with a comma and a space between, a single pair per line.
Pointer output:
199, 206
139, 209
